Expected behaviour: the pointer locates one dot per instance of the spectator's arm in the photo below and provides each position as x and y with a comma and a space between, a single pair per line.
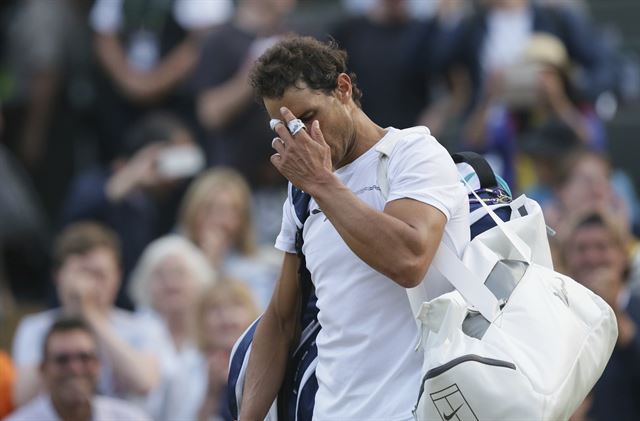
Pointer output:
271, 344
447, 106
138, 371
219, 106
26, 356
147, 86
112, 57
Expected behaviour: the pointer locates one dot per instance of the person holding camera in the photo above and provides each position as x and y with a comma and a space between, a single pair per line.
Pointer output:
139, 193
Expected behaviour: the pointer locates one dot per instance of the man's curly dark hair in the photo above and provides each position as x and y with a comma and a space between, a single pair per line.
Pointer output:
299, 59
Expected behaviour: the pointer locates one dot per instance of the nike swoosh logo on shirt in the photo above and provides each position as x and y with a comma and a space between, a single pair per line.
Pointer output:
451, 415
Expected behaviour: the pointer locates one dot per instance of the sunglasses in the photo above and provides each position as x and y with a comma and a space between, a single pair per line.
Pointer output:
64, 359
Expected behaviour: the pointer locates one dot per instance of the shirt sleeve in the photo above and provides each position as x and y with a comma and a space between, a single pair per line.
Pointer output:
196, 14
286, 240
106, 16
27, 343
421, 169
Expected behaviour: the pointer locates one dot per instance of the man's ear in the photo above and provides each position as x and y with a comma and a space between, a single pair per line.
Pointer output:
344, 88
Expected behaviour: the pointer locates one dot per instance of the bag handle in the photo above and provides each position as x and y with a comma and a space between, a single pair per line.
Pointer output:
446, 261
483, 170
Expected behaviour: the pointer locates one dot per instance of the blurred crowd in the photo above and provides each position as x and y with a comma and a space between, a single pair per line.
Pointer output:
138, 206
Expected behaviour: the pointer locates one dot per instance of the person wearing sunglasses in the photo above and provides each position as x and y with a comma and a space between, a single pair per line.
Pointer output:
69, 371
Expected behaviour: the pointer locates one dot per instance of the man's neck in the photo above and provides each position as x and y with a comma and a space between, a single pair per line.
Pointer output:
368, 133
75, 412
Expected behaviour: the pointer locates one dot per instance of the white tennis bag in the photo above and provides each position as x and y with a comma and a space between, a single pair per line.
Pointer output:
516, 340
547, 342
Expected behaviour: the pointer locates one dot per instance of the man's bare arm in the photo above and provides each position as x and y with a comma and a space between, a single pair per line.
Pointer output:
406, 234
404, 241
271, 344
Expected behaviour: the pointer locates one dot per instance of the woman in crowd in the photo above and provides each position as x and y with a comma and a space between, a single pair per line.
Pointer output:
198, 390
216, 216
170, 276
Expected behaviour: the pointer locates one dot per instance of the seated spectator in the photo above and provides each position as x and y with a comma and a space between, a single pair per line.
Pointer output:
585, 187
7, 378
87, 277
69, 370
595, 254
216, 215
138, 194
198, 390
165, 285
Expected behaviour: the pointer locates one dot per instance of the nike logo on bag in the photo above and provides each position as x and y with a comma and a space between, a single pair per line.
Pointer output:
451, 415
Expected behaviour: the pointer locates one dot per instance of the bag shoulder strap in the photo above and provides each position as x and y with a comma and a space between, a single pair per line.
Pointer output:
385, 148
446, 260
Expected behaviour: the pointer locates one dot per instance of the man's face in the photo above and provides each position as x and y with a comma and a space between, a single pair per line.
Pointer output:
95, 273
70, 367
591, 248
333, 112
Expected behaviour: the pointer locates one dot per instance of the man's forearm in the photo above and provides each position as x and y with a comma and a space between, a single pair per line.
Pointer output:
271, 344
267, 365
387, 242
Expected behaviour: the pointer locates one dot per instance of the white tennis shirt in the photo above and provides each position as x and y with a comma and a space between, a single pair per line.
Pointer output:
367, 368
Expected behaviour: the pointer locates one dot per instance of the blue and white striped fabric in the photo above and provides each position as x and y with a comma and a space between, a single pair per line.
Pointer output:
297, 395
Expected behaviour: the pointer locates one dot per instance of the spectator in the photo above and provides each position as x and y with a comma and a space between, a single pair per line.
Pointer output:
69, 370
7, 378
46, 82
382, 47
225, 311
237, 135
586, 187
495, 36
403, 62
198, 390
147, 50
534, 91
165, 285
138, 194
216, 215
596, 255
87, 276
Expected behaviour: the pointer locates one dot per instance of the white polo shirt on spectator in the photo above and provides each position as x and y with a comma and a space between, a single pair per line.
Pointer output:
103, 409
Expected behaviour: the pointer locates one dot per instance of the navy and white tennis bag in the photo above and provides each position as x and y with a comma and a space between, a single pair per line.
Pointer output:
297, 395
